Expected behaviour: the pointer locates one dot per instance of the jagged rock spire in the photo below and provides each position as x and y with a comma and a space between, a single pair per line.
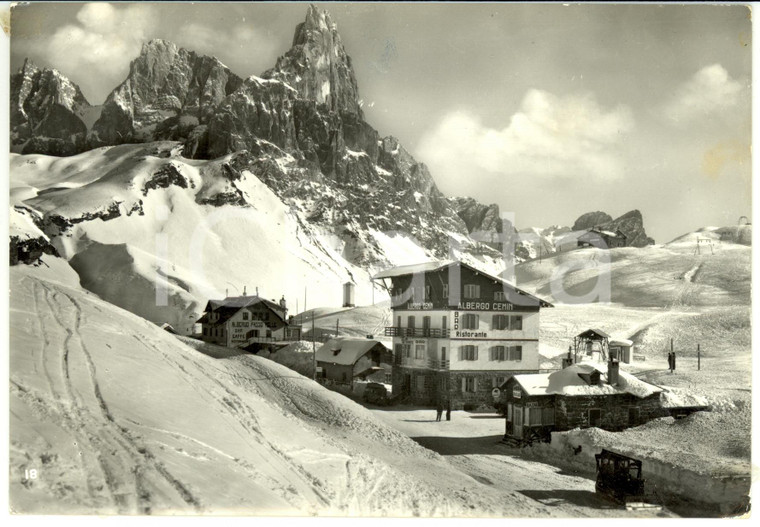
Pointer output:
317, 65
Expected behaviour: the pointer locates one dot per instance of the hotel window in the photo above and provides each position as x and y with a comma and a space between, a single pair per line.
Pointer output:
498, 381
410, 321
419, 351
499, 296
472, 291
445, 290
500, 322
444, 322
515, 322
514, 353
470, 321
498, 353
245, 315
469, 384
468, 352
427, 293
408, 351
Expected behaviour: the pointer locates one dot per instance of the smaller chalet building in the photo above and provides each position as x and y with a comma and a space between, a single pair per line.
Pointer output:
344, 359
246, 321
582, 395
602, 238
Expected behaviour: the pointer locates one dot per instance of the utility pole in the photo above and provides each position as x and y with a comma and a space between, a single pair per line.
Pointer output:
313, 348
337, 327
699, 359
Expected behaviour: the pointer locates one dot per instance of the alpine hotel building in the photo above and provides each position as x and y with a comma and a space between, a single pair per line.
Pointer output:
458, 333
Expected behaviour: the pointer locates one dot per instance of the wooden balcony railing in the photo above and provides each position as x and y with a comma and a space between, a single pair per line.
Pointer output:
416, 332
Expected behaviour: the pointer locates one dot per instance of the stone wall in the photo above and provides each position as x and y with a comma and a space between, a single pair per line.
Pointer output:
573, 412
448, 385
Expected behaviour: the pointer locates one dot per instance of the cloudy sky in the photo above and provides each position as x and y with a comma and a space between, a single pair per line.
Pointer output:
548, 110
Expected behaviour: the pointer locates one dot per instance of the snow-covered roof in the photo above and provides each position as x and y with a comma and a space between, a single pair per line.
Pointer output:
621, 342
594, 331
424, 267
569, 381
345, 350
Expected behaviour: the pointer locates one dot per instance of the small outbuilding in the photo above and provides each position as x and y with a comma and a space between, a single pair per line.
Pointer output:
346, 358
580, 396
622, 349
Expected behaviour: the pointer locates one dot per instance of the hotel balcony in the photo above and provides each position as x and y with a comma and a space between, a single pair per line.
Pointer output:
416, 332
435, 364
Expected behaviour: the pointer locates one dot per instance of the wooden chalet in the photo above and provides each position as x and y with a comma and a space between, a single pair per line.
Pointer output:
246, 322
344, 359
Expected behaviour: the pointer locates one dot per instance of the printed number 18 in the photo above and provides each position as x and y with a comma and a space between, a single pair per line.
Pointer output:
31, 473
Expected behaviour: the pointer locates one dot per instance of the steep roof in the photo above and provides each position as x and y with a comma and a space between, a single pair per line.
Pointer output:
591, 332
345, 350
570, 382
428, 267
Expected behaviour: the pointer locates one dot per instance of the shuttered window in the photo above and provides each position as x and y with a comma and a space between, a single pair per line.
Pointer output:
515, 322
499, 296
468, 352
469, 384
445, 290
500, 322
472, 291
470, 321
498, 353
514, 353
419, 351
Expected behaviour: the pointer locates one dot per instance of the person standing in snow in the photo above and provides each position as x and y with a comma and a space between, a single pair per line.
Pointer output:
448, 410
439, 410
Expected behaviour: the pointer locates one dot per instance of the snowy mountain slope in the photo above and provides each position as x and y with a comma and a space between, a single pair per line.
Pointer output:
118, 416
655, 276
137, 220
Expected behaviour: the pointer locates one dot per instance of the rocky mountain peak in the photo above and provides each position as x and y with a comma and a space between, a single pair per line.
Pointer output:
168, 92
317, 65
46, 111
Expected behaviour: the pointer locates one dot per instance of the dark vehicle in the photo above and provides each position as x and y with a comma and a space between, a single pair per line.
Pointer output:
618, 476
376, 393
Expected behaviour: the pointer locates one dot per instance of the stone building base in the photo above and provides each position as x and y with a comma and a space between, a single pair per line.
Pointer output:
447, 386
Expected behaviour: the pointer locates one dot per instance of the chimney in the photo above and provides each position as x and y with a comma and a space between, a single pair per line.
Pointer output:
257, 290
613, 372
244, 291
568, 361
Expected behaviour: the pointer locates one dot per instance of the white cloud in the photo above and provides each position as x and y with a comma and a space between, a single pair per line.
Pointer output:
96, 52
710, 91
549, 137
96, 49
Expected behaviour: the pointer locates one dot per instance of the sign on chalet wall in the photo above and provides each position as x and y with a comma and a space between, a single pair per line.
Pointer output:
240, 328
